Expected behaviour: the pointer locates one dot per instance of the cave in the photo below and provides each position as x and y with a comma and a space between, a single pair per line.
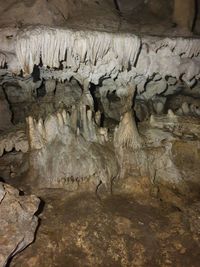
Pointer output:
100, 133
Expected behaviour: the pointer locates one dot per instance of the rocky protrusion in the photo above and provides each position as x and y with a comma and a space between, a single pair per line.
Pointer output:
17, 220
15, 138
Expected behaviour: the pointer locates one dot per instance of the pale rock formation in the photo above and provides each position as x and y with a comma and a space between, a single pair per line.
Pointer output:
17, 220
128, 145
185, 110
92, 55
126, 134
172, 150
152, 65
81, 46
179, 125
127, 141
78, 142
162, 168
159, 104
14, 138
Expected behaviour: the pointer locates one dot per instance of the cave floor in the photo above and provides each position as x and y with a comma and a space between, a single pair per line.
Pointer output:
86, 230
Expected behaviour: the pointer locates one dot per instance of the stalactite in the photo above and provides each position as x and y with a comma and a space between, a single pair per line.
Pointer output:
55, 45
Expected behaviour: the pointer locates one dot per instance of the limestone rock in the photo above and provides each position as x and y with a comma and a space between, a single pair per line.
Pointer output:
53, 12
17, 220
90, 159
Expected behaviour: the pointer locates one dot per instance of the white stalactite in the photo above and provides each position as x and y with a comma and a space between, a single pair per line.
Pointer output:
74, 47
91, 55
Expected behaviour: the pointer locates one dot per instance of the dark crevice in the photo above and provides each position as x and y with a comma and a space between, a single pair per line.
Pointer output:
9, 103
117, 5
195, 15
40, 208
92, 92
35, 74
41, 91
2, 180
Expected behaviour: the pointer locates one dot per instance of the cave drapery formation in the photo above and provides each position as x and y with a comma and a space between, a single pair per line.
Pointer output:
97, 96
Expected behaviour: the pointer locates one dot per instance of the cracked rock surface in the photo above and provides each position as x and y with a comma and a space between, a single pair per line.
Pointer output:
17, 221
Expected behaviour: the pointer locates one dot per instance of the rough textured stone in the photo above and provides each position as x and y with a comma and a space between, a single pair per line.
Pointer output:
73, 67
5, 112
114, 231
54, 12
17, 220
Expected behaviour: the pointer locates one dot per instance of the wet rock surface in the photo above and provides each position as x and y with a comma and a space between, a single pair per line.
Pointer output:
85, 230
17, 220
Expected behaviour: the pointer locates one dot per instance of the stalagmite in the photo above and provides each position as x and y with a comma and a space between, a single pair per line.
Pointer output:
127, 133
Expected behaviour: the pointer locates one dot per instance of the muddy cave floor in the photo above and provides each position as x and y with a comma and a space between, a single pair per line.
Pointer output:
83, 229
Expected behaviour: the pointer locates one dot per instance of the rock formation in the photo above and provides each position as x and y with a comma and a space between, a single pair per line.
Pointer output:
99, 96
17, 220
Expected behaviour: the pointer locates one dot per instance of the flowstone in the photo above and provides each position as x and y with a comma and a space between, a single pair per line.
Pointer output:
68, 149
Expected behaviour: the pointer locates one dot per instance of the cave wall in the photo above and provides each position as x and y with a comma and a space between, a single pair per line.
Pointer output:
90, 103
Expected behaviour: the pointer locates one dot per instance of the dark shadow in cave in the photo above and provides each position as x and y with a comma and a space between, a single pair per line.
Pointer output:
92, 92
2, 180
9, 104
97, 104
41, 91
40, 208
195, 15
117, 5
36, 74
